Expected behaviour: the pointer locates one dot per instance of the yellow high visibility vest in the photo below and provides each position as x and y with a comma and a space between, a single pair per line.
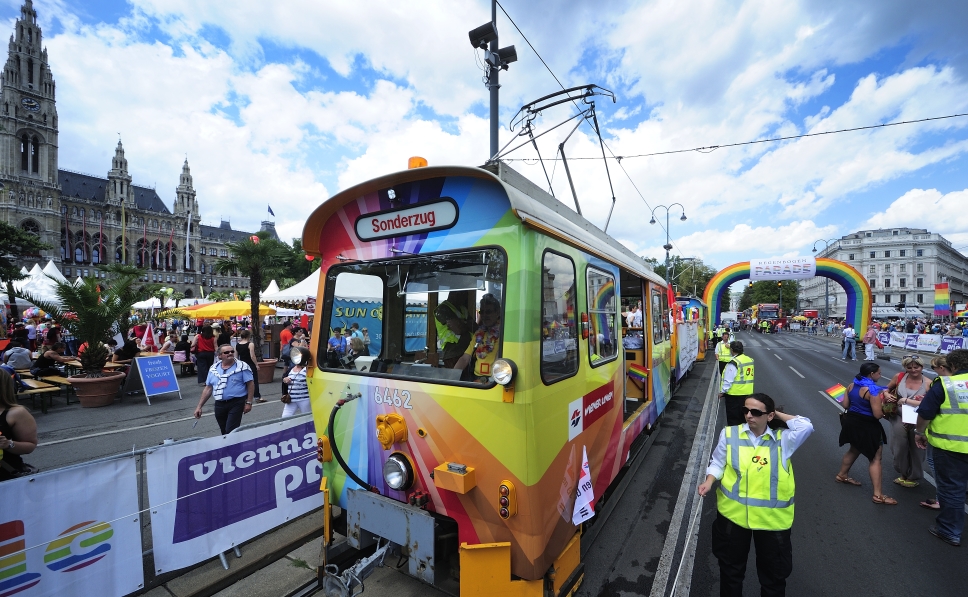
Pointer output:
743, 382
444, 333
949, 430
724, 356
757, 491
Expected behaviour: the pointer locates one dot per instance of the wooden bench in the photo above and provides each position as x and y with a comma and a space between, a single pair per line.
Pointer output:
39, 388
59, 382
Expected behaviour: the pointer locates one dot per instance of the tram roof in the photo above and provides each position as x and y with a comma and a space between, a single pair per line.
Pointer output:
531, 204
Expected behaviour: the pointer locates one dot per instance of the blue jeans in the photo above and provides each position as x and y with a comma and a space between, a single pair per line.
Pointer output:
951, 474
850, 347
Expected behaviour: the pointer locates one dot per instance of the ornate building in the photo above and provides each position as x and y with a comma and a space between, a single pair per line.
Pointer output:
92, 220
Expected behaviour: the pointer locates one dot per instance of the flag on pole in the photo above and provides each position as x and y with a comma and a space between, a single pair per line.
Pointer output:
586, 493
100, 241
70, 252
271, 213
158, 252
84, 237
837, 392
942, 300
144, 252
148, 341
170, 259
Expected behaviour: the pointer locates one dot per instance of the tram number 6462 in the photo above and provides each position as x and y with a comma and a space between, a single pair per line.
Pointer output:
398, 398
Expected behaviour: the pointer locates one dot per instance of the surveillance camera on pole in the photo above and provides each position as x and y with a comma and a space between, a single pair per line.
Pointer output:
497, 59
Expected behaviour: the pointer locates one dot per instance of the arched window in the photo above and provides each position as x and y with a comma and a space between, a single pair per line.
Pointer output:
142, 257
189, 293
118, 252
81, 246
35, 155
31, 227
82, 213
64, 249
24, 152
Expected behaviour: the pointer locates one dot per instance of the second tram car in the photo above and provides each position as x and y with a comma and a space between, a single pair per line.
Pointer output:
500, 395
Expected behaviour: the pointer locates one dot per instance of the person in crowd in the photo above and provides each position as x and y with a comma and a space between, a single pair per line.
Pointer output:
297, 341
939, 365
46, 363
52, 335
20, 333
723, 353
285, 336
366, 340
850, 342
486, 340
356, 349
737, 383
31, 328
943, 423
755, 499
18, 430
870, 340
861, 429
245, 350
128, 351
168, 347
298, 389
453, 326
17, 356
225, 333
183, 352
909, 387
231, 383
355, 330
204, 348
336, 345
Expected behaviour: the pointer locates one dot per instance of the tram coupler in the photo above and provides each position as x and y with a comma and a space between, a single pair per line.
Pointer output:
346, 584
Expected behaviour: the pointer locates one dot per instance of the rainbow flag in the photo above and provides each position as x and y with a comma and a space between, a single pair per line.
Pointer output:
837, 392
942, 299
638, 372
962, 313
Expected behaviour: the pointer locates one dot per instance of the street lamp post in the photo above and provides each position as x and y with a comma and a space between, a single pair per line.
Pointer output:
826, 282
668, 245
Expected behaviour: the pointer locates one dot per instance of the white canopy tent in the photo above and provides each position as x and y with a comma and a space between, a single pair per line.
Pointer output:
38, 286
78, 281
272, 288
24, 271
300, 292
51, 270
154, 303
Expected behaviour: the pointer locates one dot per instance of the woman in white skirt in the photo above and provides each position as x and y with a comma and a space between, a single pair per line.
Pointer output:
298, 389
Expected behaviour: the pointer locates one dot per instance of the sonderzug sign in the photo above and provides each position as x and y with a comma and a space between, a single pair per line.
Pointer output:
438, 214
789, 268
220, 487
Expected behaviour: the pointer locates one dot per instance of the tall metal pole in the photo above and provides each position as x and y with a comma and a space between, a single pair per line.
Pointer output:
667, 245
492, 84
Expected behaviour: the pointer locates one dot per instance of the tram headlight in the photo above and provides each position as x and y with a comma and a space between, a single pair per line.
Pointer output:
398, 472
504, 371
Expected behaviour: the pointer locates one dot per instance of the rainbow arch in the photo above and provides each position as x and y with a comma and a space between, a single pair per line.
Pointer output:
859, 299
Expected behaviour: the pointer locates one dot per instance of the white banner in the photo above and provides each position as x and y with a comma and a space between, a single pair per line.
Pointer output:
72, 532
688, 339
212, 494
898, 339
929, 342
789, 268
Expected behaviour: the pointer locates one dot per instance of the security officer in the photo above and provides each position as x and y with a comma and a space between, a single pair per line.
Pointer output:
453, 326
943, 423
737, 383
723, 353
755, 496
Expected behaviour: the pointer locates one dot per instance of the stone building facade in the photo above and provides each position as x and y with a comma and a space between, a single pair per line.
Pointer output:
901, 265
92, 220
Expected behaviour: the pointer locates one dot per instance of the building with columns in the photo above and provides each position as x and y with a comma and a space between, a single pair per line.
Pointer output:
901, 265
92, 220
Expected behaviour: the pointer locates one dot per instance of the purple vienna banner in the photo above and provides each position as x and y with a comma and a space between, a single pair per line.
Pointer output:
212, 494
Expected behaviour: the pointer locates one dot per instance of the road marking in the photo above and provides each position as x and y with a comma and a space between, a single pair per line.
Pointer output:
797, 372
831, 400
777, 356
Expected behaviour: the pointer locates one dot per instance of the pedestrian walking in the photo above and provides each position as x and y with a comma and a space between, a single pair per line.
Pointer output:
860, 427
850, 342
869, 340
908, 387
755, 496
723, 353
230, 382
298, 389
943, 423
737, 383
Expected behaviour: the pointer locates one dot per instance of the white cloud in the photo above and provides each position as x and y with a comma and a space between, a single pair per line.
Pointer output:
927, 208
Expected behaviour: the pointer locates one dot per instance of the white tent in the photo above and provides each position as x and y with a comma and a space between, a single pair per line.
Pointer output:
300, 292
36, 270
24, 271
51, 270
78, 281
154, 303
272, 288
39, 287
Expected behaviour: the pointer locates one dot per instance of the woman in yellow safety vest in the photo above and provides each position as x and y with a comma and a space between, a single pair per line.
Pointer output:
755, 496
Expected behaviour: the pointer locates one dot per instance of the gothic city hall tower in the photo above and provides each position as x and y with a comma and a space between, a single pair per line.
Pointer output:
93, 220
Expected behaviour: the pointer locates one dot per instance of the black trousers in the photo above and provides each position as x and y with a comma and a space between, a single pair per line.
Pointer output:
734, 409
228, 413
722, 366
774, 558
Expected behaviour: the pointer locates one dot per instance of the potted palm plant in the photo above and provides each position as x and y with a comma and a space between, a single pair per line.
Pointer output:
93, 311
259, 257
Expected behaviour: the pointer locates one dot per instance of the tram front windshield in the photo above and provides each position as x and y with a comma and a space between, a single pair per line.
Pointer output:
422, 314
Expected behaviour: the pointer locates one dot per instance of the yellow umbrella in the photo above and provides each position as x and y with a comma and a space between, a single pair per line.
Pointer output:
229, 309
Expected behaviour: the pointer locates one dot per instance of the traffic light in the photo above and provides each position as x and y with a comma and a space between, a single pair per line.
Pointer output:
751, 283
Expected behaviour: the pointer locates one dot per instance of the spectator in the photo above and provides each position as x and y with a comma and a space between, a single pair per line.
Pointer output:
850, 342
128, 351
861, 429
225, 334
46, 363
183, 352
18, 431
298, 390
169, 346
17, 356
204, 348
231, 383
245, 352
20, 333
32, 334
336, 345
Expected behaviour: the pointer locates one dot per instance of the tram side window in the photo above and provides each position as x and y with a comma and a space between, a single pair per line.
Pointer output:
666, 316
602, 338
656, 317
559, 326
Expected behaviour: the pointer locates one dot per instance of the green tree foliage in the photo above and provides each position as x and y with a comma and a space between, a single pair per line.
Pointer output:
137, 290
769, 292
689, 276
259, 261
16, 244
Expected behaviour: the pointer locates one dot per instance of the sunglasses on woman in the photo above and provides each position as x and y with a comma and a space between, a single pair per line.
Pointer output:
754, 411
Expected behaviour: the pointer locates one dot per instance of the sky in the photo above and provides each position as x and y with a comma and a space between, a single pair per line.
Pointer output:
285, 103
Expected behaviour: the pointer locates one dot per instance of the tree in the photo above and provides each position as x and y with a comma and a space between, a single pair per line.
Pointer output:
260, 259
689, 276
16, 244
131, 293
767, 292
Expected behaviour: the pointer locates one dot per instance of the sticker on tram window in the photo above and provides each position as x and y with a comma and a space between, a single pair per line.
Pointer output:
392, 397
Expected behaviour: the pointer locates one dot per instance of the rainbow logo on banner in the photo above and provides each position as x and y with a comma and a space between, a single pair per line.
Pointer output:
942, 299
837, 392
59, 557
638, 372
14, 577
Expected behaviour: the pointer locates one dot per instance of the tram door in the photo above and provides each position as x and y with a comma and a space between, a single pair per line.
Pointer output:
635, 343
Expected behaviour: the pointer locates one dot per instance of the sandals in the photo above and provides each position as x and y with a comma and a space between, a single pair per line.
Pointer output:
931, 504
847, 480
905, 482
884, 499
